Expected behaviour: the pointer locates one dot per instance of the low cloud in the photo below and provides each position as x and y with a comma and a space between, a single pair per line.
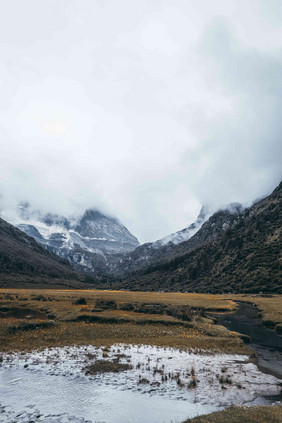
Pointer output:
144, 111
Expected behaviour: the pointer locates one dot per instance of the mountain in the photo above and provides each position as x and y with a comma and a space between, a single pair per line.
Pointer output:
186, 233
92, 242
199, 232
232, 252
22, 258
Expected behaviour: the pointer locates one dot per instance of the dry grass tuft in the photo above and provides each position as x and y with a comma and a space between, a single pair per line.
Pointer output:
106, 366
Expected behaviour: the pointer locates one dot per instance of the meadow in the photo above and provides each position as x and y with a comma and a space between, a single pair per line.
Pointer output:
37, 319
42, 318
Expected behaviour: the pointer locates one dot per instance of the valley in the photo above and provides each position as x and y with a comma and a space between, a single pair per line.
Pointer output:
99, 318
235, 250
150, 340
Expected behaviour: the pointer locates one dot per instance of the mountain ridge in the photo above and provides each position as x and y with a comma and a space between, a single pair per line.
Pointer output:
153, 252
246, 257
91, 242
234, 250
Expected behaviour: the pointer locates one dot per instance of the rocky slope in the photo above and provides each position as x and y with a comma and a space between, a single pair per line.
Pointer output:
195, 235
92, 242
100, 245
242, 255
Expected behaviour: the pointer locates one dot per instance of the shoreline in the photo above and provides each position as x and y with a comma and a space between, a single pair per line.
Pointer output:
38, 319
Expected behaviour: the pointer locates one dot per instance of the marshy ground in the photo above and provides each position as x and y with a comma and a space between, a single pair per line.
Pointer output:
128, 383
35, 319
39, 319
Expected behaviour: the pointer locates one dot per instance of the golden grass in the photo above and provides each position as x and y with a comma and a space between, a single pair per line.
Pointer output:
99, 334
194, 300
122, 325
255, 414
114, 326
133, 328
134, 317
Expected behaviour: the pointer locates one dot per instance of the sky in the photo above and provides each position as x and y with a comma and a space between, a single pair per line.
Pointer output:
145, 110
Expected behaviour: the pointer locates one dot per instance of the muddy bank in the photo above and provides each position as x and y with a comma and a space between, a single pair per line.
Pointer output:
265, 342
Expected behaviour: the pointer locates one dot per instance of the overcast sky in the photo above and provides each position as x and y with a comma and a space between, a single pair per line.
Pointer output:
143, 109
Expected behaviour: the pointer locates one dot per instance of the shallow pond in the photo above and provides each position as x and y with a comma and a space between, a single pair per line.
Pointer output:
163, 385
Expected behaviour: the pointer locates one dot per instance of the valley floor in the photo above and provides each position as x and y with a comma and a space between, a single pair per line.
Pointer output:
38, 319
35, 319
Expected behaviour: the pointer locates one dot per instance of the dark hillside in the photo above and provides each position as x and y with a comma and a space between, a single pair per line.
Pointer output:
21, 255
150, 253
246, 257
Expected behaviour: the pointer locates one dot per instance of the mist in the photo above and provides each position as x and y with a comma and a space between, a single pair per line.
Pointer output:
143, 110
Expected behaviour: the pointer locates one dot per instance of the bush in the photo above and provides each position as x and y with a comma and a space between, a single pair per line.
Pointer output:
80, 301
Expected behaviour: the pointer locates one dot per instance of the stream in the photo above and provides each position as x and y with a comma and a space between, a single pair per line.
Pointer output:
265, 342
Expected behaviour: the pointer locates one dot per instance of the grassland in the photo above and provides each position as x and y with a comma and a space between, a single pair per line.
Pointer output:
41, 318
35, 319
257, 414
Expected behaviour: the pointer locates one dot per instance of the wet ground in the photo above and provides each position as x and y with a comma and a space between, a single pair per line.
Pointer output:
161, 385
265, 342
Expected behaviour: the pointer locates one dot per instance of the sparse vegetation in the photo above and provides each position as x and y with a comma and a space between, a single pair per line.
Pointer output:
255, 414
106, 366
143, 381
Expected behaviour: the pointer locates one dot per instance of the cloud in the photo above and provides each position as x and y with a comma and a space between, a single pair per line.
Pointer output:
144, 110
243, 148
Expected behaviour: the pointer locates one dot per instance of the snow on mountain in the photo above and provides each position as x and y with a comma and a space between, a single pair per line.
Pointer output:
206, 226
87, 241
184, 234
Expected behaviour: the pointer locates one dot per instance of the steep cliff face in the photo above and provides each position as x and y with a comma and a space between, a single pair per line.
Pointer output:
92, 242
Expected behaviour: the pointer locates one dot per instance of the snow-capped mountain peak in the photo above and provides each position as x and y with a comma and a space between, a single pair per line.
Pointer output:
79, 238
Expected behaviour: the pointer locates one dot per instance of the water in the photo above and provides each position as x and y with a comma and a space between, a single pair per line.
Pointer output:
43, 386
102, 403
265, 342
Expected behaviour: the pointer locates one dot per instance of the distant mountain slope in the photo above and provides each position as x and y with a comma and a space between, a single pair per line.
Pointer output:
91, 243
22, 255
246, 257
198, 233
186, 233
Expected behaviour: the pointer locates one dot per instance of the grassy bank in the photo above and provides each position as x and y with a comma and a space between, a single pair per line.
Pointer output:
256, 414
269, 307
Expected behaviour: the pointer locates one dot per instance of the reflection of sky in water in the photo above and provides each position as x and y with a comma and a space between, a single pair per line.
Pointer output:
59, 385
